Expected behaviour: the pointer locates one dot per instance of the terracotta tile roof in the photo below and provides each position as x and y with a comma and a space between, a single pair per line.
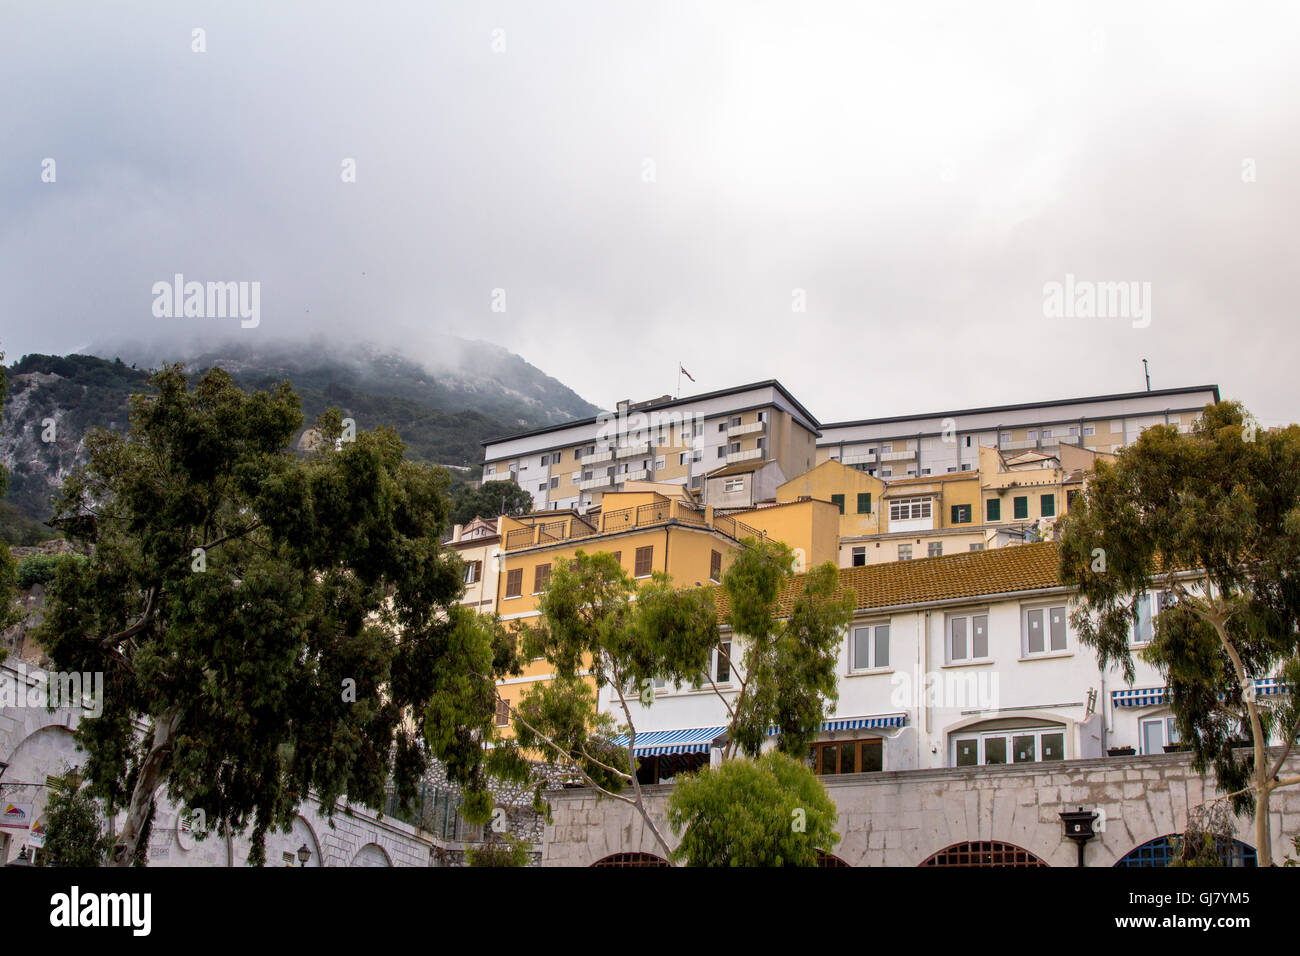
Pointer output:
974, 574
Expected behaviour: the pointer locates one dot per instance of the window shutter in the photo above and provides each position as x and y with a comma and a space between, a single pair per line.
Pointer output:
838, 501
864, 502
644, 560
1020, 506
1048, 506
515, 582
994, 510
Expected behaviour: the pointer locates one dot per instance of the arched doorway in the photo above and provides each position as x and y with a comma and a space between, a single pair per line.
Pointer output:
1160, 851
983, 853
372, 854
632, 859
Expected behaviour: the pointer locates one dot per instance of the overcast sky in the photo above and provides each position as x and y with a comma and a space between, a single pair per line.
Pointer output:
652, 183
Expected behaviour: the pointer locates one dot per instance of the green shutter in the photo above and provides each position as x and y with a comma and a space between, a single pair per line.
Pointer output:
1048, 509
956, 515
838, 500
864, 502
961, 514
994, 510
1020, 506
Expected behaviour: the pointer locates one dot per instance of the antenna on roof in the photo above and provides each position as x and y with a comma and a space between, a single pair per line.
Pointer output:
1147, 372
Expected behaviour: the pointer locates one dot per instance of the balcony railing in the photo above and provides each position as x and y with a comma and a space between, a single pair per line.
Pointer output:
1020, 443
641, 474
738, 456
600, 481
865, 458
898, 455
598, 456
656, 513
637, 448
734, 431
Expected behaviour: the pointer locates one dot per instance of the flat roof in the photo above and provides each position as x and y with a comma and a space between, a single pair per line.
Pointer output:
1119, 396
656, 406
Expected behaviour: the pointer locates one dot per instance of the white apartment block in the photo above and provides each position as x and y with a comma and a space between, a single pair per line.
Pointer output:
942, 442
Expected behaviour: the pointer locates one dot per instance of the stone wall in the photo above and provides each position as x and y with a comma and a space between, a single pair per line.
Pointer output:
900, 819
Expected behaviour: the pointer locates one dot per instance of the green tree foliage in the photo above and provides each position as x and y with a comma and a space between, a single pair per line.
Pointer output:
1213, 518
489, 500
279, 624
787, 668
75, 831
770, 811
512, 851
40, 568
595, 619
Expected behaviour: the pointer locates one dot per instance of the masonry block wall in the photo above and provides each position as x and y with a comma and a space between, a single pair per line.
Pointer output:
900, 819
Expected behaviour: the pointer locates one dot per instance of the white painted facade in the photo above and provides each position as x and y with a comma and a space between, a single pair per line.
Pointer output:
943, 697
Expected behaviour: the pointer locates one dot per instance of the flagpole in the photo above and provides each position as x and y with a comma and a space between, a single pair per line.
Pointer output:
679, 379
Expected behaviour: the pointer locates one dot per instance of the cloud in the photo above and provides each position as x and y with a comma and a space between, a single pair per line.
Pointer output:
652, 184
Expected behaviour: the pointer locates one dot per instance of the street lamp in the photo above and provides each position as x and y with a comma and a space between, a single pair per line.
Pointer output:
1078, 827
304, 854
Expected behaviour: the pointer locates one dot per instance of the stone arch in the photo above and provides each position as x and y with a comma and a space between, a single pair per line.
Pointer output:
1159, 851
830, 861
631, 859
372, 854
983, 853
302, 832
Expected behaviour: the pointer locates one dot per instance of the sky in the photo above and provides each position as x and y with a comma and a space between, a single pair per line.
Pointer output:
874, 203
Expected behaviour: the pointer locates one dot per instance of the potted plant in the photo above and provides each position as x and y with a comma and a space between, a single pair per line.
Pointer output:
1120, 751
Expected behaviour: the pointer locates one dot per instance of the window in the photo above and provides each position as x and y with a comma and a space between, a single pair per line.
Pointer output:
859, 557
1144, 626
542, 486
733, 484
1043, 630
869, 647
722, 451
735, 420
968, 637
838, 501
1090, 429
555, 459
541, 575
514, 582
1029, 745
1070, 496
715, 565
545, 459
492, 469
1074, 431
722, 669
961, 514
503, 711
681, 457
555, 482
1047, 433
473, 571
1032, 434
904, 552
965, 466
644, 560
886, 472
977, 546
906, 509
847, 756
1004, 436
936, 549
1020, 506
722, 426
733, 448
864, 502
1158, 733
1047, 505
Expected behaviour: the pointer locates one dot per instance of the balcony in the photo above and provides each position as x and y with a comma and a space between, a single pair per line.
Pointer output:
739, 456
627, 451
1019, 444
735, 431
657, 513
904, 455
641, 474
600, 481
865, 458
596, 457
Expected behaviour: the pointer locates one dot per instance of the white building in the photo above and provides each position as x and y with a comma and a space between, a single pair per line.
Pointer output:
962, 660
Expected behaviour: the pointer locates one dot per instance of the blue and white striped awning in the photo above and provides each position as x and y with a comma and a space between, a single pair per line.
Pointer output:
658, 743
873, 722
1155, 696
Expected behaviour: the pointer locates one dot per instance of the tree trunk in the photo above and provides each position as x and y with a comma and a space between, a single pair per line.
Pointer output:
147, 782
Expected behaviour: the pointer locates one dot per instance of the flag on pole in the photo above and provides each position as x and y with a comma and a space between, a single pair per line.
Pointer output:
684, 372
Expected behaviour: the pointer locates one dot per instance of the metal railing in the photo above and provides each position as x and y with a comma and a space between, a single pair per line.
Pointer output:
519, 538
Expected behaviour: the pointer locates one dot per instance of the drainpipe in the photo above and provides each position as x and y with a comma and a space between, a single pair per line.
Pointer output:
925, 671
